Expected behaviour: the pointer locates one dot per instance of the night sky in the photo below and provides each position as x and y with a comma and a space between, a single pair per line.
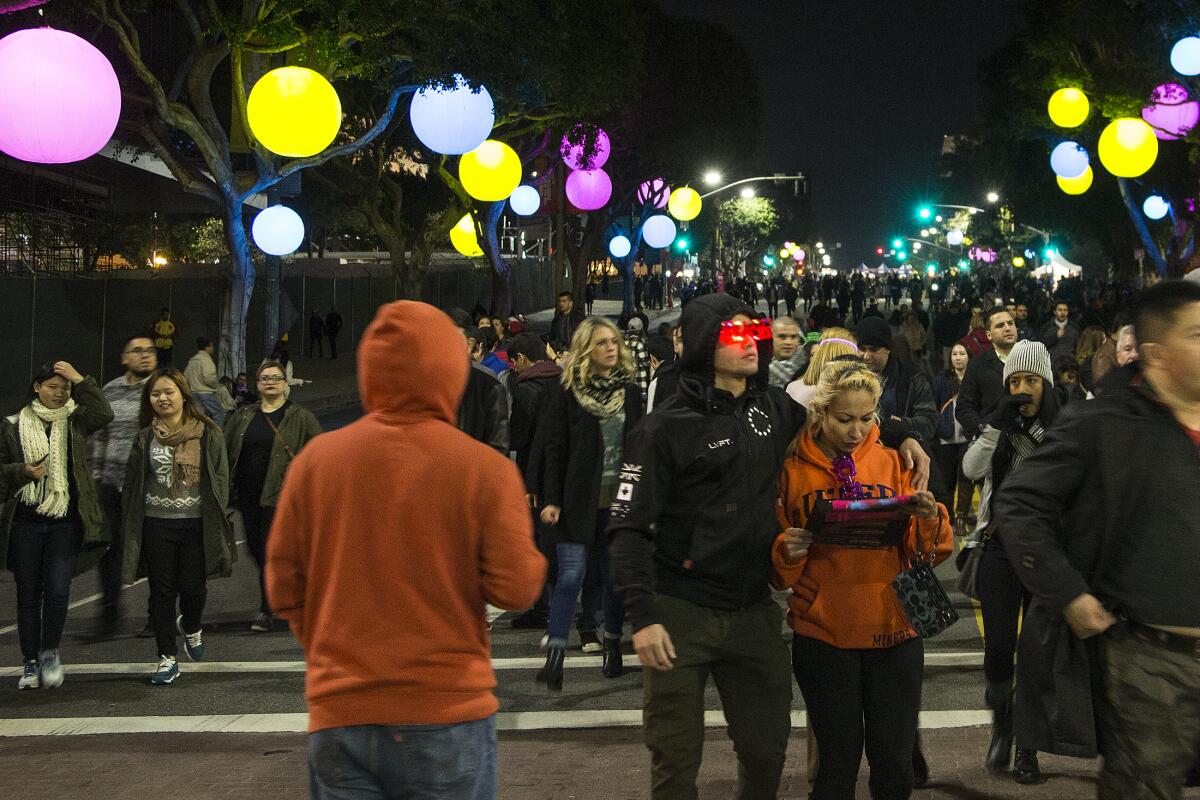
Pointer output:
860, 99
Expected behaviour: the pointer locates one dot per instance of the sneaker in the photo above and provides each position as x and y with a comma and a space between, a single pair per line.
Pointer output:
52, 669
31, 676
193, 644
263, 623
591, 642
168, 670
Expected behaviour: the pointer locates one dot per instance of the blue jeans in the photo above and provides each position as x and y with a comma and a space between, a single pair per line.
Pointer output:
212, 406
414, 762
572, 569
42, 557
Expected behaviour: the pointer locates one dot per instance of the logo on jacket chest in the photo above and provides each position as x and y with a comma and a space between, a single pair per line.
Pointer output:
759, 422
719, 443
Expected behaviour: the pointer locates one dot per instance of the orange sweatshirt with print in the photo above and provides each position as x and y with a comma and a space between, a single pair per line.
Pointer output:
843, 595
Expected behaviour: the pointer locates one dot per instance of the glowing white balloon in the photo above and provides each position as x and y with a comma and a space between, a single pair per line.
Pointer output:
278, 231
659, 231
525, 200
620, 246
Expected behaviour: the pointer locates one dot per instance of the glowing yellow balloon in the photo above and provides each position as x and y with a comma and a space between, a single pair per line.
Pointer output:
1076, 185
784, 253
1128, 147
490, 172
684, 204
294, 111
1068, 108
463, 237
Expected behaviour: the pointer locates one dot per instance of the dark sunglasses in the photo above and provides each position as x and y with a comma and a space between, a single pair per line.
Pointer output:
738, 333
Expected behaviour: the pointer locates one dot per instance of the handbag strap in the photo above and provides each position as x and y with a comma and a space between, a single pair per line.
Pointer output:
278, 435
926, 558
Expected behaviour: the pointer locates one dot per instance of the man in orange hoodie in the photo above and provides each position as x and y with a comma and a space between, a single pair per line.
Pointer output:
385, 570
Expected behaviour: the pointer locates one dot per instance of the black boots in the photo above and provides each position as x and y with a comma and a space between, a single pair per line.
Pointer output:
1025, 767
551, 672
613, 666
919, 764
999, 699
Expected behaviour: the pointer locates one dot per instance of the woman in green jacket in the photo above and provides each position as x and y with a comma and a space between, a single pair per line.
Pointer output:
262, 440
174, 503
51, 525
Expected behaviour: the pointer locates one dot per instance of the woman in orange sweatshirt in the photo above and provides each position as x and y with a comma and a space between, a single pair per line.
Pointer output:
857, 660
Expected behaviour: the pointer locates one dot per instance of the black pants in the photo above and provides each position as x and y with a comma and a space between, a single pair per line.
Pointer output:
858, 698
113, 560
173, 551
332, 344
41, 555
316, 344
258, 525
953, 484
1001, 598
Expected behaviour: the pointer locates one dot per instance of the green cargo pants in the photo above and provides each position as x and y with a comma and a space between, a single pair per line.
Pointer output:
751, 667
1148, 719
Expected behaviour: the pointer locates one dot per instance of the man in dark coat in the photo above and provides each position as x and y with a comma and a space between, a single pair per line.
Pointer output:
1101, 523
483, 413
1059, 334
316, 335
333, 326
566, 319
983, 383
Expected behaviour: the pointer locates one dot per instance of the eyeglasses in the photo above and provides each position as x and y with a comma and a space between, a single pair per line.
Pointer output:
141, 351
271, 379
738, 333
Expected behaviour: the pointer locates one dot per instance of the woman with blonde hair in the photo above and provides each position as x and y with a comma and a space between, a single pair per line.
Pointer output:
583, 435
835, 343
857, 659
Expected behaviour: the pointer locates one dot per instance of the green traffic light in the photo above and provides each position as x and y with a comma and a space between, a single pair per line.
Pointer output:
682, 244
925, 212
897, 243
768, 261
964, 264
902, 256
1051, 252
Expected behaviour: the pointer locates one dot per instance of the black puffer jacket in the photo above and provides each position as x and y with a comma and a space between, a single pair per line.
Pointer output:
483, 413
694, 514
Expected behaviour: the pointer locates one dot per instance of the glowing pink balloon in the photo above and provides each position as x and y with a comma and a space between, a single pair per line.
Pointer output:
573, 156
1171, 113
589, 190
655, 191
59, 97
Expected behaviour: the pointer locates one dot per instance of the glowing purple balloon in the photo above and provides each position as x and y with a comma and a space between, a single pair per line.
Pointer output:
573, 155
59, 97
589, 190
1171, 113
655, 191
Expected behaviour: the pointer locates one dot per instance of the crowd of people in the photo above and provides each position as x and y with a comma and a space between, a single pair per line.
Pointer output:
666, 482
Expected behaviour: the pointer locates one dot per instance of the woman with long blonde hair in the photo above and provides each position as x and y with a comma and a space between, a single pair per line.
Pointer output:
835, 343
584, 437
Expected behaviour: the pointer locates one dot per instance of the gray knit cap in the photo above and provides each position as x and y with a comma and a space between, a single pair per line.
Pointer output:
1029, 356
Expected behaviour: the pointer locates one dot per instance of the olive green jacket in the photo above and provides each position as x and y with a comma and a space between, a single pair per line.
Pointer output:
92, 414
220, 548
296, 428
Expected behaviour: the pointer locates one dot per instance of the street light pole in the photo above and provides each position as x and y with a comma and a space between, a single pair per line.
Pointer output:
748, 180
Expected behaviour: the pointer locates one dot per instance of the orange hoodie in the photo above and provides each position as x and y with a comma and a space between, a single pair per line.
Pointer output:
843, 595
392, 533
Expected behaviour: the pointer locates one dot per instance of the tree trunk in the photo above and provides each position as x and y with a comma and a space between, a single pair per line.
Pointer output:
501, 273
239, 288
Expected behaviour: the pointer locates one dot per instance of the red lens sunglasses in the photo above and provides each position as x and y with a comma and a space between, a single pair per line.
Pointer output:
737, 333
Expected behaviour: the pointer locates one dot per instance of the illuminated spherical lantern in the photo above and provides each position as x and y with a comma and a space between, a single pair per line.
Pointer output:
800, 254
1128, 147
589, 189
294, 112
464, 238
684, 204
655, 191
1171, 113
784, 252
278, 230
1069, 160
573, 154
525, 200
490, 172
1077, 185
1156, 207
954, 238
1068, 107
1185, 56
619, 246
452, 120
659, 231
61, 98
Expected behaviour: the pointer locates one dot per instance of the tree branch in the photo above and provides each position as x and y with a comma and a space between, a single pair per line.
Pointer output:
238, 83
192, 181
193, 22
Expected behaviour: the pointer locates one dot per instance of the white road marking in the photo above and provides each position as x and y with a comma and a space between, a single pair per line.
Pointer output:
574, 662
298, 723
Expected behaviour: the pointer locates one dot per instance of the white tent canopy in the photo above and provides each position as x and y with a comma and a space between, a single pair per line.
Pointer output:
1058, 268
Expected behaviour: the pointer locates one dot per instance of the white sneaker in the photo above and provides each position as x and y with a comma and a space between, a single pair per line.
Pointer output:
52, 669
31, 677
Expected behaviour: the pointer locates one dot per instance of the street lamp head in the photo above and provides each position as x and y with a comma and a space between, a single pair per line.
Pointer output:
712, 178
993, 197
747, 192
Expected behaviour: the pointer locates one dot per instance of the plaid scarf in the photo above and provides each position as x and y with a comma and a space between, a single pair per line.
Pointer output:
599, 396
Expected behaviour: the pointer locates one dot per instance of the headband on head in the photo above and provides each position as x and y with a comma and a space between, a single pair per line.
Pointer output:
843, 341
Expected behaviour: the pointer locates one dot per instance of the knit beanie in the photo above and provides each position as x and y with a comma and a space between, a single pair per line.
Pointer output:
1029, 356
873, 332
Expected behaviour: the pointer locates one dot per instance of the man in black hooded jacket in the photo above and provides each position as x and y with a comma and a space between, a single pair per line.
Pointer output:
692, 527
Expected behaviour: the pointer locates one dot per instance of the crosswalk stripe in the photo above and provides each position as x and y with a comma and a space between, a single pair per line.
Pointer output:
937, 659
298, 723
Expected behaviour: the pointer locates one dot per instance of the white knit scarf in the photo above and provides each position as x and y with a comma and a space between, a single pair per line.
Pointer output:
51, 496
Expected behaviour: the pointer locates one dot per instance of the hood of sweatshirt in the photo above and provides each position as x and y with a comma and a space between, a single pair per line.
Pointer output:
412, 362
807, 450
540, 370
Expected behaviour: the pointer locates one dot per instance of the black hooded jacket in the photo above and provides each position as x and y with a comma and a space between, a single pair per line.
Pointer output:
694, 515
